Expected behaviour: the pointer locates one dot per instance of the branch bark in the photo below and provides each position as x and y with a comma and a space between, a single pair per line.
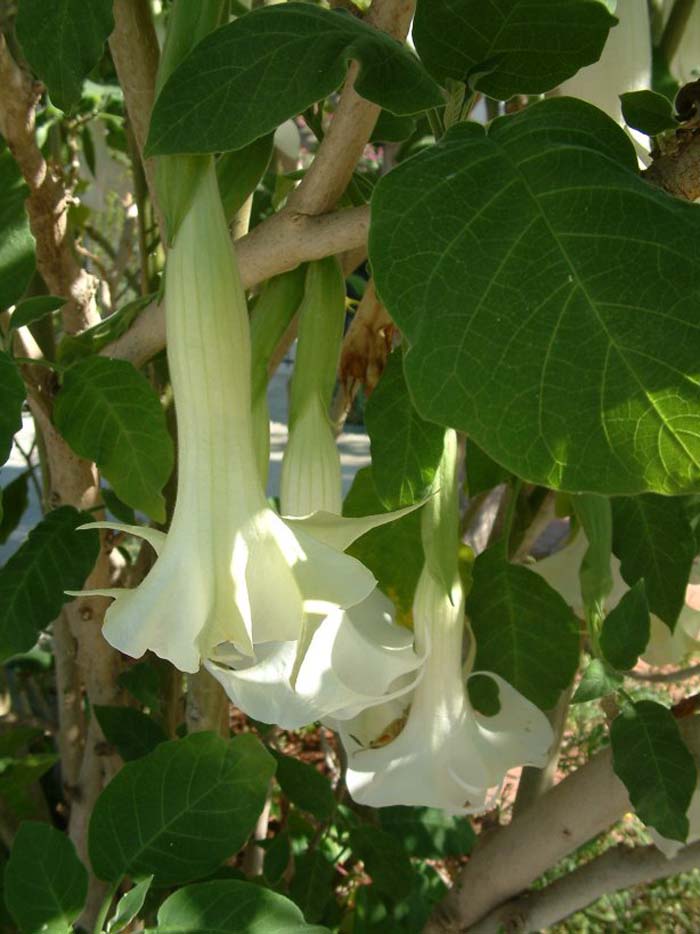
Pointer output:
583, 805
618, 868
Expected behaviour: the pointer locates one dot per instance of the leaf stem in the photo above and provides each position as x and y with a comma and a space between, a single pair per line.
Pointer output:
105, 906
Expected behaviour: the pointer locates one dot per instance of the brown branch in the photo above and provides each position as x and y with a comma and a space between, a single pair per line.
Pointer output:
620, 867
678, 171
664, 677
584, 804
47, 204
278, 244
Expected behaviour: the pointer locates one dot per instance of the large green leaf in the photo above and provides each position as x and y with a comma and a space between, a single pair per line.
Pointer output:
406, 450
45, 882
653, 762
625, 630
524, 630
654, 540
63, 41
549, 297
179, 812
11, 401
16, 241
32, 583
272, 64
393, 552
108, 412
507, 47
222, 907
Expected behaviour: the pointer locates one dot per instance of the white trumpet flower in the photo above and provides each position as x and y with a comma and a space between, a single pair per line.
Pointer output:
432, 748
230, 570
345, 658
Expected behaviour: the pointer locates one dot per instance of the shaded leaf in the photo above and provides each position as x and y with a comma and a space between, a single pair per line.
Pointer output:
483, 473
132, 733
239, 172
45, 882
17, 779
538, 320
277, 856
653, 762
507, 47
16, 241
386, 861
406, 450
13, 505
143, 682
270, 65
428, 833
11, 401
129, 906
647, 111
595, 516
306, 787
524, 630
312, 885
654, 540
63, 40
222, 907
34, 309
626, 629
108, 413
598, 680
33, 581
180, 811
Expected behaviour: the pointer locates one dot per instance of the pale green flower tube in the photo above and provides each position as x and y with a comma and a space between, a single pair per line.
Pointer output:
230, 570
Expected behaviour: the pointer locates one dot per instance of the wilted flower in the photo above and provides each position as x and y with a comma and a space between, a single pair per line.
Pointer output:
432, 747
230, 570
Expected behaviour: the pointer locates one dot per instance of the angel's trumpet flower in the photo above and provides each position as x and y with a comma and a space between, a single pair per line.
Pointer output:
230, 571
433, 748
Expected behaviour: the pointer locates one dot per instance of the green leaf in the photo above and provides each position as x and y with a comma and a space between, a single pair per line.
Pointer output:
386, 861
119, 510
34, 309
277, 856
239, 172
129, 906
654, 540
16, 242
625, 631
33, 581
305, 787
392, 129
63, 41
45, 882
539, 320
11, 402
73, 347
17, 779
595, 515
524, 630
507, 47
647, 111
598, 680
132, 733
180, 811
406, 450
393, 552
108, 413
428, 833
13, 505
483, 473
142, 682
654, 764
312, 885
484, 694
271, 64
222, 907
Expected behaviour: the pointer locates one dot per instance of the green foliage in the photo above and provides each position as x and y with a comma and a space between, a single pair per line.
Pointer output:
132, 733
647, 111
483, 473
524, 630
312, 885
62, 41
406, 450
32, 583
180, 811
107, 412
654, 540
598, 680
128, 906
428, 833
507, 47
653, 762
625, 631
385, 859
18, 777
259, 82
595, 516
221, 907
593, 387
393, 552
34, 309
45, 882
305, 787
239, 172
12, 396
142, 682
16, 241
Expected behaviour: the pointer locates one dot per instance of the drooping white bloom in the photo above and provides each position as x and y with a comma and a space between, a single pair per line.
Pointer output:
432, 747
230, 569
345, 658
